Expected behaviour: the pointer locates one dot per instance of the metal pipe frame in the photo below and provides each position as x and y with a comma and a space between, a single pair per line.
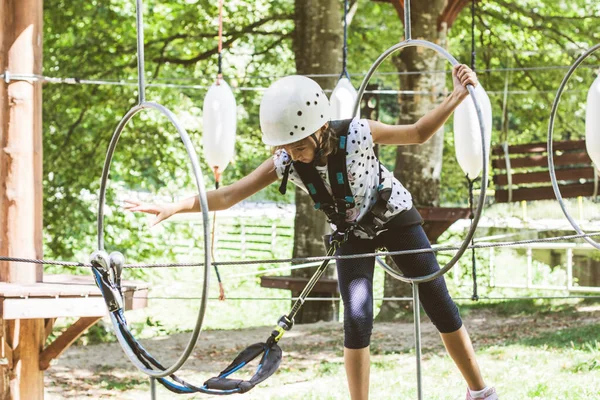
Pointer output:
201, 194
484, 173
551, 168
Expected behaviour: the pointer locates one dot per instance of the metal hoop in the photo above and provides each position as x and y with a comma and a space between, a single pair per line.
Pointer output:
205, 220
484, 172
551, 168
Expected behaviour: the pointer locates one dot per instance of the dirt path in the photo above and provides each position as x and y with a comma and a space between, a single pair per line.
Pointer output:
102, 371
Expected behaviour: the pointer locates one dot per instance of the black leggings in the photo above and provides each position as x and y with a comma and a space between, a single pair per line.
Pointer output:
355, 278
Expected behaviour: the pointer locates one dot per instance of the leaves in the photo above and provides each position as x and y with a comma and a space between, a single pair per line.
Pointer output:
97, 40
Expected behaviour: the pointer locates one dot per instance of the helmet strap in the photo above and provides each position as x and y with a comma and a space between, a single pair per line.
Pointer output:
318, 149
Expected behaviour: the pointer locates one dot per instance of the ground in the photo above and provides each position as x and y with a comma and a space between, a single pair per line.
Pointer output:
538, 350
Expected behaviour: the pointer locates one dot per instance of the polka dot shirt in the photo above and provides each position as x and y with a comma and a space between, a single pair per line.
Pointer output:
363, 174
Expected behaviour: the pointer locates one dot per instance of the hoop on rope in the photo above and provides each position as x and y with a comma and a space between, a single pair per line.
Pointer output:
551, 168
107, 269
484, 178
205, 219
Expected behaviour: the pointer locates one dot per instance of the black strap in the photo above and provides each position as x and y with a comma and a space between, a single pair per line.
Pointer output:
284, 180
337, 169
271, 358
333, 204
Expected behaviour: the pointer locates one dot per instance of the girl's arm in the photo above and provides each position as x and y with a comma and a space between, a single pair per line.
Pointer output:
431, 122
219, 199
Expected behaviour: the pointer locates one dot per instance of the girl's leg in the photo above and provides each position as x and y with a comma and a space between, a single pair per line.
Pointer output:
435, 298
355, 277
459, 346
358, 363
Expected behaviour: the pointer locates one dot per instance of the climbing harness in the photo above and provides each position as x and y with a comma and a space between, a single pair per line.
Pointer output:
335, 203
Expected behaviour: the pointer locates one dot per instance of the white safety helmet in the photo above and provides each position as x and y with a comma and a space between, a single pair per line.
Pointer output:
292, 109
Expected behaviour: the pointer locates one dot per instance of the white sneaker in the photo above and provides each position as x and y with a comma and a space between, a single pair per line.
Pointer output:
489, 394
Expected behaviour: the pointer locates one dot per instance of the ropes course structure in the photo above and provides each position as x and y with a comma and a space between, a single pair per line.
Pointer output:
107, 268
434, 249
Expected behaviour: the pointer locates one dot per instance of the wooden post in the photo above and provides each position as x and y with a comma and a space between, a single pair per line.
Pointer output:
21, 186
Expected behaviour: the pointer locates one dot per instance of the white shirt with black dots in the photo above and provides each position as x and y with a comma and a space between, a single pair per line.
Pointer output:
363, 174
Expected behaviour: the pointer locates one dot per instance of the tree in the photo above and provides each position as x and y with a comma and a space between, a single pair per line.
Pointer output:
419, 167
317, 48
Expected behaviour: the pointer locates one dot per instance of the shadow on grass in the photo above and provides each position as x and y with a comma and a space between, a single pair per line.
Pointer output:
521, 307
584, 338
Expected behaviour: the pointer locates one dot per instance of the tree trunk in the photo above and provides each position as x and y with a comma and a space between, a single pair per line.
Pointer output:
418, 167
318, 50
21, 189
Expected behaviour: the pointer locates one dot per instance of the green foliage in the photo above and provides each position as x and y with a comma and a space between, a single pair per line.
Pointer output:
97, 40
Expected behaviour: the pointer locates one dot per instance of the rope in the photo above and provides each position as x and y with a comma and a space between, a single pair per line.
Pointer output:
473, 55
375, 299
345, 48
220, 62
474, 297
312, 259
90, 81
212, 239
77, 81
505, 120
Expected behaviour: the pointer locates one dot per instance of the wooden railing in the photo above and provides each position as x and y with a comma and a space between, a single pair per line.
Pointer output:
521, 171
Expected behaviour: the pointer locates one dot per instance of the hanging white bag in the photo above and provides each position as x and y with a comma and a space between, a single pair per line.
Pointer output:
467, 133
342, 100
592, 122
219, 121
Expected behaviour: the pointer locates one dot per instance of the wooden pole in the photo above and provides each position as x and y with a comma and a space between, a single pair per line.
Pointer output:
21, 186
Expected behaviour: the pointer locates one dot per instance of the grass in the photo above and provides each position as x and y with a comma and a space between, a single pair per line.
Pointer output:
546, 350
523, 307
517, 371
585, 339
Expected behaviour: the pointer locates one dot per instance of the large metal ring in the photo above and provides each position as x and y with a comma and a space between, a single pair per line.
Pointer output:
205, 220
551, 168
484, 172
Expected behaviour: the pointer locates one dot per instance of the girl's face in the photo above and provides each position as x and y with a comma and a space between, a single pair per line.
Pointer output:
304, 150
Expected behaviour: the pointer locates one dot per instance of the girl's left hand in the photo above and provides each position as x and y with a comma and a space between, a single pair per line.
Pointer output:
462, 76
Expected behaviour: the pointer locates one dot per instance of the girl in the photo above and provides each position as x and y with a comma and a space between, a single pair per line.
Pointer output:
294, 118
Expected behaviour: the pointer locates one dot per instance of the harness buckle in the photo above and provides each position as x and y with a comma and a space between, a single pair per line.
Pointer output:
285, 322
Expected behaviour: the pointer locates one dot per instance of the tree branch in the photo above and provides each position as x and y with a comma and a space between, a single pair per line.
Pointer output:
534, 15
233, 37
534, 28
527, 73
75, 124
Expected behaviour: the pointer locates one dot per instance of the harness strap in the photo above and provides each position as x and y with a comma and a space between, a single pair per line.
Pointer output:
336, 165
333, 204
222, 384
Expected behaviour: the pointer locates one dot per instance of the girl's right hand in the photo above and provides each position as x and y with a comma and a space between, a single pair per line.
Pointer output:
162, 211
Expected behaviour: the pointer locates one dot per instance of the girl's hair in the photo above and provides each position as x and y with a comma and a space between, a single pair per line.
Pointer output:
329, 141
